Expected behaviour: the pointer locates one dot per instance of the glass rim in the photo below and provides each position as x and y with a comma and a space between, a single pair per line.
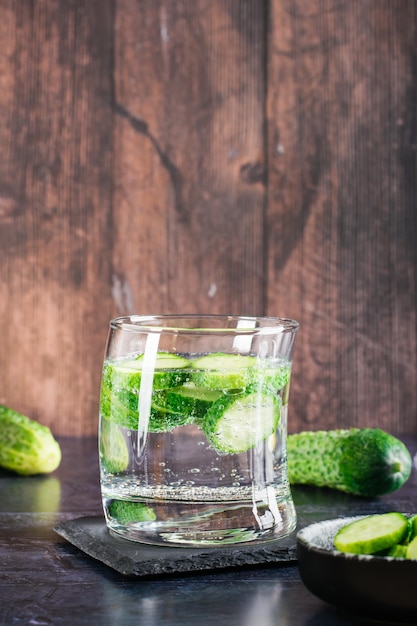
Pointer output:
143, 323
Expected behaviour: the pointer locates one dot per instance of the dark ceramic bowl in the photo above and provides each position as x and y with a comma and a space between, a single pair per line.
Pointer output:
372, 586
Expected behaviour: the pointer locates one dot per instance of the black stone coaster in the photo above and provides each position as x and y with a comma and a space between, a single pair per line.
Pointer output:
90, 534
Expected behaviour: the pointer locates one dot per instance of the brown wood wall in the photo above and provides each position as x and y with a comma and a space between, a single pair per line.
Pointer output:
220, 156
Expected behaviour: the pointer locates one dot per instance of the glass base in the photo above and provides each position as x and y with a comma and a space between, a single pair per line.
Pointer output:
200, 524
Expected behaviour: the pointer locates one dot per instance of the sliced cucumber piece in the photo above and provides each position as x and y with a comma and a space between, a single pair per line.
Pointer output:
372, 533
223, 371
187, 399
122, 408
399, 551
272, 378
412, 522
412, 549
114, 453
130, 512
161, 421
119, 407
236, 423
169, 371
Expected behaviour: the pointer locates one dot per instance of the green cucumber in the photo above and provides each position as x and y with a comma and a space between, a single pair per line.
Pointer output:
26, 446
236, 423
412, 521
372, 533
223, 371
367, 462
114, 453
164, 421
380, 535
130, 512
169, 371
399, 551
122, 407
412, 549
272, 378
187, 400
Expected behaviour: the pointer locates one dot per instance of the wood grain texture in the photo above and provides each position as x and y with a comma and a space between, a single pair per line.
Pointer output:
341, 207
55, 207
189, 156
218, 156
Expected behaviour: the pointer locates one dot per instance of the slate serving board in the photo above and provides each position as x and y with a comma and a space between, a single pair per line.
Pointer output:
91, 535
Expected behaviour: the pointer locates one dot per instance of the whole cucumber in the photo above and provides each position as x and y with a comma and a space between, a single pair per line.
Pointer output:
26, 447
363, 461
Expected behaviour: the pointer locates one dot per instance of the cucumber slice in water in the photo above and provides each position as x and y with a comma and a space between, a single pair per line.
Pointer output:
272, 378
164, 421
130, 512
187, 400
372, 534
120, 388
223, 371
119, 407
168, 372
114, 453
122, 407
236, 423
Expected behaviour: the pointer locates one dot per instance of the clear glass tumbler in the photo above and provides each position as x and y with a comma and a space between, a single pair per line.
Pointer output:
193, 426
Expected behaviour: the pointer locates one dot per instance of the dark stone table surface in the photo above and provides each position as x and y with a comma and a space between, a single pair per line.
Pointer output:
47, 581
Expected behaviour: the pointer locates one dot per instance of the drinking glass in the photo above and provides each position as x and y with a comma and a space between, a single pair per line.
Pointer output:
193, 426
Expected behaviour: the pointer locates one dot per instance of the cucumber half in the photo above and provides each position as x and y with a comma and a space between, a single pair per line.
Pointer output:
372, 534
236, 423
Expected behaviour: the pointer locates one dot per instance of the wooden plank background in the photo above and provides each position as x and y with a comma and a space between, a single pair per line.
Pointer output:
219, 156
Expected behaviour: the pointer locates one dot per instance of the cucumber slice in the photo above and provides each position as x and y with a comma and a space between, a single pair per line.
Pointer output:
223, 371
399, 551
412, 549
372, 533
272, 378
236, 423
130, 512
187, 399
122, 408
164, 421
412, 522
114, 453
169, 371
119, 407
